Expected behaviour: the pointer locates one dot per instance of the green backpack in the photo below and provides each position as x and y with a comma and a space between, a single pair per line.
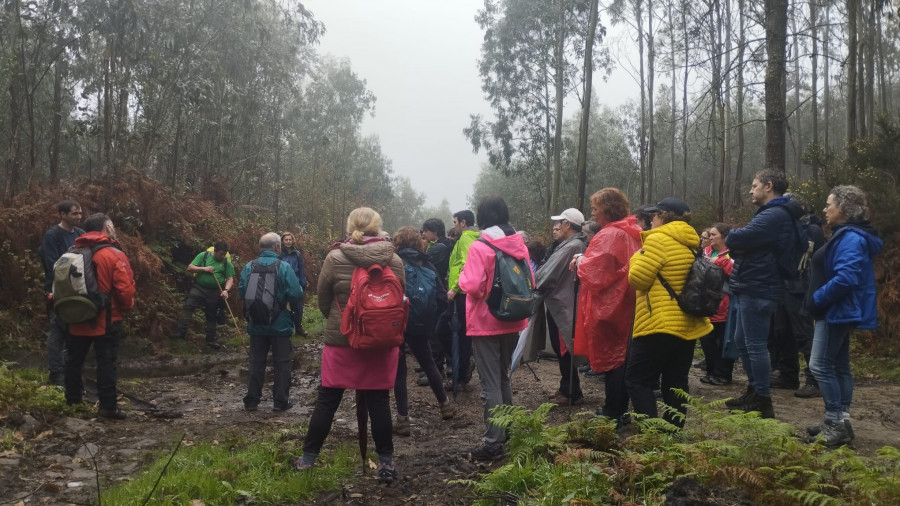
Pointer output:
76, 296
512, 290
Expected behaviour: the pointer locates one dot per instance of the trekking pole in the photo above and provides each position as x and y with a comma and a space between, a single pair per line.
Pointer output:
233, 318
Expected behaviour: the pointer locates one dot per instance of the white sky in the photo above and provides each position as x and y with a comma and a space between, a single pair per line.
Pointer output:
419, 58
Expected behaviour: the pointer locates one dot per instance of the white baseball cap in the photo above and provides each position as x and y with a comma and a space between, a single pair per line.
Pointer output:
571, 215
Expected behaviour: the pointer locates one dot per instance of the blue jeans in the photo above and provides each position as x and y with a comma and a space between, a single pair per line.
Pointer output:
830, 363
751, 334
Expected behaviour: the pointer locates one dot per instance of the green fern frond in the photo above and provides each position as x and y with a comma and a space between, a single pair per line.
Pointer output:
811, 497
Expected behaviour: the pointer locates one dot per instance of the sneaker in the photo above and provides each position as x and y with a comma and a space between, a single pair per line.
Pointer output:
808, 392
113, 414
715, 381
834, 433
401, 426
740, 403
289, 405
448, 411
785, 383
485, 453
387, 473
423, 380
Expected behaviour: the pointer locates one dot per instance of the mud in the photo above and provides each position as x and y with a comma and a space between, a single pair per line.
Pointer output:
199, 396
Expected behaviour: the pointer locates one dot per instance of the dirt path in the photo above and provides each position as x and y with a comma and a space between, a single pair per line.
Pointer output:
57, 470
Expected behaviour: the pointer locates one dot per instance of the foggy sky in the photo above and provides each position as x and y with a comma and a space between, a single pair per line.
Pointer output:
419, 58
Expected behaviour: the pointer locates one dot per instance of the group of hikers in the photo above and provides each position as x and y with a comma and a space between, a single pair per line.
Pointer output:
613, 290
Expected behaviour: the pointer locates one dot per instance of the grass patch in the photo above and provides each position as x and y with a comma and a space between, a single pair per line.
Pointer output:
26, 391
237, 470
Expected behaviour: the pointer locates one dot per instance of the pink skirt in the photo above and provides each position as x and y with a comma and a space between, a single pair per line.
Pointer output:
348, 368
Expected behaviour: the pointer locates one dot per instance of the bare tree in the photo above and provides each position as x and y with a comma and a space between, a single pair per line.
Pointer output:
776, 40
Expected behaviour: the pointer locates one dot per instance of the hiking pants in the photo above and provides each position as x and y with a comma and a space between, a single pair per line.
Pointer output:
379, 408
421, 349
200, 297
106, 349
297, 313
492, 357
569, 382
751, 334
56, 347
651, 357
792, 332
281, 361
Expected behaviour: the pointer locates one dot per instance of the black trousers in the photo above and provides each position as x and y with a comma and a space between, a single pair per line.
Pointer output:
654, 357
378, 404
792, 332
281, 361
465, 342
716, 365
569, 382
106, 349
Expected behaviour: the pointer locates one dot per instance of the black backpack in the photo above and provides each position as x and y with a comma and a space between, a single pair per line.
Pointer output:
512, 290
261, 306
793, 258
702, 293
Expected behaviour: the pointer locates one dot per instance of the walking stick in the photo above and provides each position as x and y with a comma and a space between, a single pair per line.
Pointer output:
233, 318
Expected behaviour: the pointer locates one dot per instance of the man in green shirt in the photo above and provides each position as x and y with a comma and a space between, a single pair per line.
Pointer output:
464, 223
213, 279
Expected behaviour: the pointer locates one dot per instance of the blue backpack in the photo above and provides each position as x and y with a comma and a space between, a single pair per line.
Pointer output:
421, 290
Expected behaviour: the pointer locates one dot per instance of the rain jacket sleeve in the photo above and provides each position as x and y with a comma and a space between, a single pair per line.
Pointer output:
458, 258
325, 288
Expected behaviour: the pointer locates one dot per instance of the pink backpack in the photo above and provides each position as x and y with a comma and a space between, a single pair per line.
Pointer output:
376, 312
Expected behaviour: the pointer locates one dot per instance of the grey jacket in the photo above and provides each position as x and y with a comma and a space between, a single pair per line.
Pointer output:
555, 285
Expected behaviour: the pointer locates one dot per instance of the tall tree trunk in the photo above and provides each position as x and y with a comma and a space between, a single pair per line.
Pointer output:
882, 81
581, 164
684, 99
728, 118
870, 70
826, 79
639, 17
852, 43
814, 29
56, 128
739, 166
651, 106
559, 81
718, 136
776, 40
674, 112
106, 164
798, 118
861, 71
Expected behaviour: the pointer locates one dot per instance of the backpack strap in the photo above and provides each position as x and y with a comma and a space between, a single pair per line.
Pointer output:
108, 306
666, 284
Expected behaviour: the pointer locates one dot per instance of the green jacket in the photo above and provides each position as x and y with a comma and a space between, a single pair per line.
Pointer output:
458, 257
288, 289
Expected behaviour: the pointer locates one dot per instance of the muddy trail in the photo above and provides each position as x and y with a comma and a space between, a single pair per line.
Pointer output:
200, 396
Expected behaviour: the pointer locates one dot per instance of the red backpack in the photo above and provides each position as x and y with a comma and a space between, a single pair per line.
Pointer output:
376, 312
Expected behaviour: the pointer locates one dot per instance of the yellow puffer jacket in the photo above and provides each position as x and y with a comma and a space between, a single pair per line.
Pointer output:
665, 251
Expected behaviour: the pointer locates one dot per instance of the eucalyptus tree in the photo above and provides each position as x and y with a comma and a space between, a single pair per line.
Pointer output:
529, 64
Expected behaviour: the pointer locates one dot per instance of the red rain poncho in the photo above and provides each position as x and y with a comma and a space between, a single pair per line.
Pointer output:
606, 300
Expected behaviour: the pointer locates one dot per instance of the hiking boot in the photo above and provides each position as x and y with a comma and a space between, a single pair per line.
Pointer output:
584, 368
785, 383
401, 426
250, 407
387, 473
423, 380
834, 433
289, 405
485, 453
300, 331
594, 374
761, 404
298, 465
740, 403
700, 365
113, 414
564, 400
213, 345
448, 411
808, 392
815, 430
